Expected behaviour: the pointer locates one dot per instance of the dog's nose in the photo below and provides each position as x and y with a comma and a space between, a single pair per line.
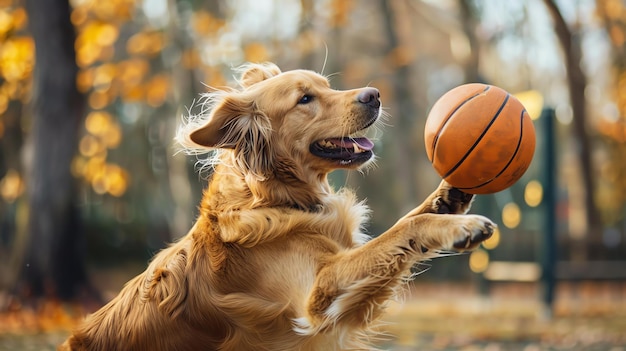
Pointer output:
369, 97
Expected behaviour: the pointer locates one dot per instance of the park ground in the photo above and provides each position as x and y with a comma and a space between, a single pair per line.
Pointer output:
586, 316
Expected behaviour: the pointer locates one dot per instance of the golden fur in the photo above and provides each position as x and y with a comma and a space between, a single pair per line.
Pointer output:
277, 259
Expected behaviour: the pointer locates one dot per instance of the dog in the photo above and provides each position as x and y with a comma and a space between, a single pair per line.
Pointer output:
277, 259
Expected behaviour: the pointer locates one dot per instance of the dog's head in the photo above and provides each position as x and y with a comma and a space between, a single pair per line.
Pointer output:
286, 120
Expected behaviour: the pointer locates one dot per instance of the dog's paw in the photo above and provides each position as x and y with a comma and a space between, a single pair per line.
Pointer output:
450, 200
474, 230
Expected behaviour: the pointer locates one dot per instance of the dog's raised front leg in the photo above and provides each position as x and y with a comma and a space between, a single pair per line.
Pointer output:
354, 286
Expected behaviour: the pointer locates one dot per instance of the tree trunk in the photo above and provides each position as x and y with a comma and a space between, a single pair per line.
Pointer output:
577, 82
53, 262
615, 26
468, 24
403, 119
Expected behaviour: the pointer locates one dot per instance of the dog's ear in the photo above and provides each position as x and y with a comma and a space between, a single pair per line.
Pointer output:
254, 73
236, 124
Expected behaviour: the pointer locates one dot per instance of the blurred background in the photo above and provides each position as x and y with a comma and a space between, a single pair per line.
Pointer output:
91, 184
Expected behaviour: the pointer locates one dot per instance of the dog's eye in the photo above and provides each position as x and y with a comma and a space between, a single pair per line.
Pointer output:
305, 99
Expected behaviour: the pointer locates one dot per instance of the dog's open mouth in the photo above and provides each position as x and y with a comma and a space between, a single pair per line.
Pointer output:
345, 149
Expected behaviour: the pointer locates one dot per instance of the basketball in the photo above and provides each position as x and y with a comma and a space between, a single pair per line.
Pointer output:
479, 138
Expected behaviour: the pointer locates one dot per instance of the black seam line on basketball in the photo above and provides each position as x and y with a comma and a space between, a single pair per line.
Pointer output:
519, 143
479, 138
436, 139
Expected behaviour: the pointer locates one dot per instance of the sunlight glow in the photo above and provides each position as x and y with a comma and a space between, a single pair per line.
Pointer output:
533, 193
532, 101
511, 215
479, 261
492, 242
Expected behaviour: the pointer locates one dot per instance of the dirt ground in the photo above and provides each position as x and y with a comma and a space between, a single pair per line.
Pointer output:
587, 316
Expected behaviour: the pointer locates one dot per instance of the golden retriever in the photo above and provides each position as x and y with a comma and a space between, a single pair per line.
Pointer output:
277, 259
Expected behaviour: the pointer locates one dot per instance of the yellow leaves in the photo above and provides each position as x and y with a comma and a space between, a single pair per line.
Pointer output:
614, 14
4, 104
12, 20
119, 10
90, 146
110, 179
17, 58
79, 16
213, 77
102, 176
614, 130
617, 35
341, 10
94, 42
157, 90
103, 126
256, 52
132, 93
20, 19
98, 121
15, 90
127, 79
204, 24
6, 22
99, 99
50, 316
613, 9
190, 59
103, 133
11, 186
84, 80
154, 91
145, 43
106, 34
133, 71
111, 10
103, 75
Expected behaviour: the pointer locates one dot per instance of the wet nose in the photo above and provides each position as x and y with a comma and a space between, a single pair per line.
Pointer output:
369, 97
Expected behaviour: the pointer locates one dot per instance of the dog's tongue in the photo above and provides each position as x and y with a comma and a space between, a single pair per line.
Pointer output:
348, 143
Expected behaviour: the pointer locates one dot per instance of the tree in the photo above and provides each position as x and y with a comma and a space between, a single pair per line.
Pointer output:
52, 264
406, 107
577, 81
613, 128
469, 23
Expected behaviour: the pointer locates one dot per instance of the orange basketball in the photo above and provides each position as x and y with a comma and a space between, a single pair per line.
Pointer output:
479, 138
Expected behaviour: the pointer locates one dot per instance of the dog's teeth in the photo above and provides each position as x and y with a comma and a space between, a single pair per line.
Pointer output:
330, 145
327, 144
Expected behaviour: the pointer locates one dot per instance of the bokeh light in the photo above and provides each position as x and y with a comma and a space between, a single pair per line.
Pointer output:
479, 261
533, 193
492, 242
532, 101
511, 215
11, 186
